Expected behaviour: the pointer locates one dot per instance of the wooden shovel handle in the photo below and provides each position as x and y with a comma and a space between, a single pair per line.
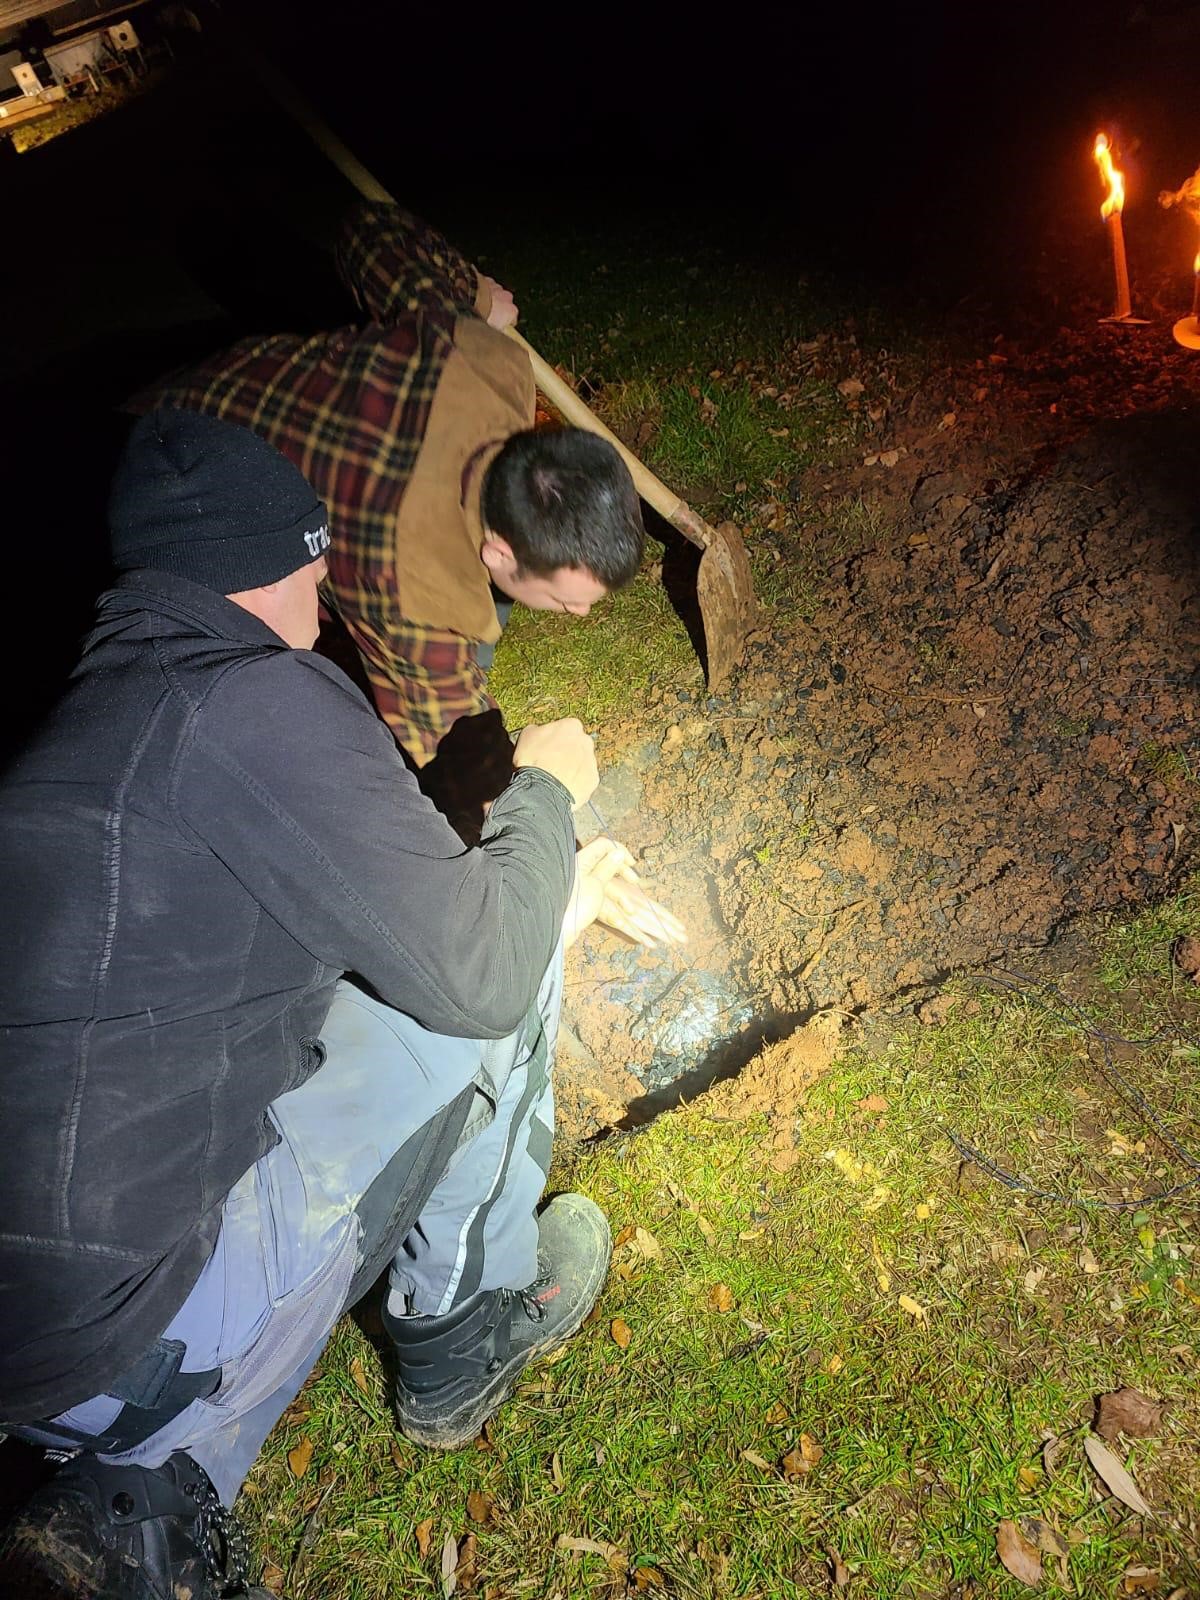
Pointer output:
564, 399
560, 394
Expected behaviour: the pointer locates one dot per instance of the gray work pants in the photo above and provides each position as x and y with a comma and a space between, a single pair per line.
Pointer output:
293, 1230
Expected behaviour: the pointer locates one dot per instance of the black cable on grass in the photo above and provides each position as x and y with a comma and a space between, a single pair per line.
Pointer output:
1068, 1012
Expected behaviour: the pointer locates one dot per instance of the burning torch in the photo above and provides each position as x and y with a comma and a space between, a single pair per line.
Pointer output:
1187, 329
1113, 206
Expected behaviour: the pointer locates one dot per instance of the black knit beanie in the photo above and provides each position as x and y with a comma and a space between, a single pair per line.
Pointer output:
211, 502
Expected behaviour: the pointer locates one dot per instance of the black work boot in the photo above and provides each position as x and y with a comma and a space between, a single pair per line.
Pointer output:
100, 1532
456, 1369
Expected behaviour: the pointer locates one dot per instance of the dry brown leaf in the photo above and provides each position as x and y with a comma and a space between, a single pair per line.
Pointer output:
800, 1461
720, 1298
648, 1578
449, 1566
839, 1572
273, 1578
619, 1329
1028, 1479
647, 1244
300, 1458
465, 1571
1140, 1579
755, 1460
1114, 1476
359, 1373
424, 1533
705, 1226
873, 1103
481, 1506
777, 1414
1127, 1411
398, 1458
484, 1439
590, 1547
556, 1471
1047, 1539
851, 388
1022, 1559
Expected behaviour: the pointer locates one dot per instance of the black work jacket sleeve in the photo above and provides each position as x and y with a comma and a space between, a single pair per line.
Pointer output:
347, 854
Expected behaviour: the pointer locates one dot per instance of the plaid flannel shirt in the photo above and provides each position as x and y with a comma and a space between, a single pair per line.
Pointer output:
350, 409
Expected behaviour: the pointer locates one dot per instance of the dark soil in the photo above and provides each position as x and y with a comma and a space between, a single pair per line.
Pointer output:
988, 727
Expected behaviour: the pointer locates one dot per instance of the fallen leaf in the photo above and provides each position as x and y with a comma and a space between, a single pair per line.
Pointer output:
1088, 1262
851, 388
359, 1373
873, 1103
481, 1506
834, 1365
705, 1226
449, 1566
1114, 1476
648, 1578
590, 1547
556, 1471
720, 1298
923, 1212
300, 1458
1021, 1558
424, 1533
648, 1244
755, 1460
627, 1233
839, 1572
1032, 1278
483, 1440
798, 1463
1047, 1539
465, 1571
619, 1329
273, 1578
1141, 1580
1028, 1479
398, 1458
913, 1307
777, 1414
1127, 1411
948, 420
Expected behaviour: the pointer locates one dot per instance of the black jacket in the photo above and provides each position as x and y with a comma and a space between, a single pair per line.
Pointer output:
210, 830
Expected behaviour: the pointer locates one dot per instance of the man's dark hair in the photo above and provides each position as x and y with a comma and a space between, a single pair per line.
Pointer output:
564, 498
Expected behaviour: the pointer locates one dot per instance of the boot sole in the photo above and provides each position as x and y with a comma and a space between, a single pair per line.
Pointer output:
463, 1424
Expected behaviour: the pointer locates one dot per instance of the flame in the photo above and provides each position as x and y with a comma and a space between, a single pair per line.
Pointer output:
1187, 195
1196, 264
1114, 181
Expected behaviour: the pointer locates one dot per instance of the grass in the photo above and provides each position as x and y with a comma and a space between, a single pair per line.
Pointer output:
909, 1331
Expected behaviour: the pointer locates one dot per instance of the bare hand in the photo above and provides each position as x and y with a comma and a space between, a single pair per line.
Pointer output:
563, 750
607, 891
503, 312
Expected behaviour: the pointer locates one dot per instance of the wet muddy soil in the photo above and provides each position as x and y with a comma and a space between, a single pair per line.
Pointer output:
986, 728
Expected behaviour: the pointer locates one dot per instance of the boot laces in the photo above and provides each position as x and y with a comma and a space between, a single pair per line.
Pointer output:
221, 1538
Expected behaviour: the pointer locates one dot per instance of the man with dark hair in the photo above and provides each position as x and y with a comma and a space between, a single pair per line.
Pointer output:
445, 504
215, 1142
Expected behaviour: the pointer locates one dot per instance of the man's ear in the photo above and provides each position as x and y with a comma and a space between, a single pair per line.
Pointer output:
496, 553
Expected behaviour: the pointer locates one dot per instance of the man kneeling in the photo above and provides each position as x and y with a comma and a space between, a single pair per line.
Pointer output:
215, 1141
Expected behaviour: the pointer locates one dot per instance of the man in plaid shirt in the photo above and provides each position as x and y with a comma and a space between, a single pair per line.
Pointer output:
416, 431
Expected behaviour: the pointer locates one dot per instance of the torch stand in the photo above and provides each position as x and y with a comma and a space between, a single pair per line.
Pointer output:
1122, 310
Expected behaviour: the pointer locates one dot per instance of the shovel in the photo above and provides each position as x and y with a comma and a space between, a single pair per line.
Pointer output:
724, 586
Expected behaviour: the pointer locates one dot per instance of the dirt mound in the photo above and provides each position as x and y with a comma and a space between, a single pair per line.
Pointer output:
989, 727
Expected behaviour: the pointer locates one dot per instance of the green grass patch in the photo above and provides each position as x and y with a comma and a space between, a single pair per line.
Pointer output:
550, 665
911, 1331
